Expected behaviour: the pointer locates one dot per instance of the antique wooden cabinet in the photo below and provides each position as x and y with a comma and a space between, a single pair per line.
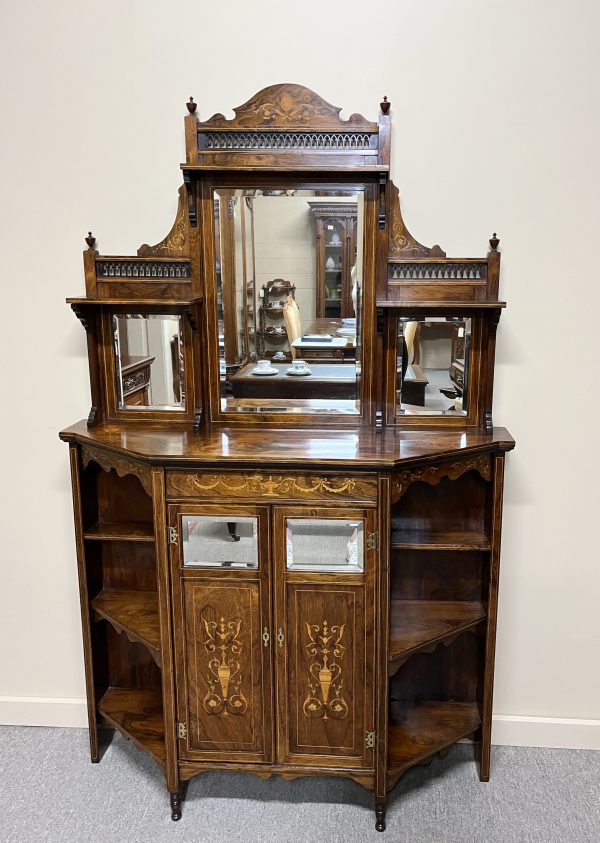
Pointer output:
335, 225
302, 577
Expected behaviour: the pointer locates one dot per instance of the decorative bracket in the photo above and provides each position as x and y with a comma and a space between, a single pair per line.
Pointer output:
107, 461
432, 474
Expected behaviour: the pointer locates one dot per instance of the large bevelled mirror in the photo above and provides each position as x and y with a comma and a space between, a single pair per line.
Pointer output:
289, 270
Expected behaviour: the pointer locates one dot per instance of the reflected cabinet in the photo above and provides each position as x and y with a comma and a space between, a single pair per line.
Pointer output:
288, 488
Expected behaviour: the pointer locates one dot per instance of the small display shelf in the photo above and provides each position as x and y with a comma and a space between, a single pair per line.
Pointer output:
132, 531
420, 624
133, 612
138, 714
430, 538
419, 731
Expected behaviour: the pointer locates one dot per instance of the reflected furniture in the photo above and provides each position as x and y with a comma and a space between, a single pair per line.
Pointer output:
136, 380
272, 335
335, 224
324, 380
289, 582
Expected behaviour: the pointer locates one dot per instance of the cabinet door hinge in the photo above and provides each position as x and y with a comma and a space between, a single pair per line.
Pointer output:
181, 730
370, 740
372, 542
173, 535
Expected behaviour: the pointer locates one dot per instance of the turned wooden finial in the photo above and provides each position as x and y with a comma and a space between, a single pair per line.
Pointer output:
90, 240
385, 105
494, 242
191, 106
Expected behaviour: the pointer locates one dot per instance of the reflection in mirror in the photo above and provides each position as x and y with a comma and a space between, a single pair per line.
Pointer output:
433, 365
219, 541
289, 285
324, 544
149, 361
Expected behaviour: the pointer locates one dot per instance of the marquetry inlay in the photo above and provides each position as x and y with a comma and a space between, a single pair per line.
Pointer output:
222, 643
325, 696
258, 485
107, 461
432, 474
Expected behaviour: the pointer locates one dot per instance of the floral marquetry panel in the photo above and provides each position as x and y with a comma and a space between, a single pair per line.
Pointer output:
326, 684
226, 693
265, 485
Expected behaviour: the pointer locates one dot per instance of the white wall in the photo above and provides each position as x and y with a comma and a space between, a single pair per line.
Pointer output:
496, 115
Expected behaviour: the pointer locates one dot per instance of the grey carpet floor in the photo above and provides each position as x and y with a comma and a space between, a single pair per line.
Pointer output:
50, 792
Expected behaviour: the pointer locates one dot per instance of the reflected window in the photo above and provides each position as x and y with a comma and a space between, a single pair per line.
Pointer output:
220, 541
289, 295
149, 361
324, 544
432, 370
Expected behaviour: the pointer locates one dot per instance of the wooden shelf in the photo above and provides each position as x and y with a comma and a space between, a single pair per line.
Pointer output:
418, 731
138, 715
122, 531
134, 613
420, 624
430, 539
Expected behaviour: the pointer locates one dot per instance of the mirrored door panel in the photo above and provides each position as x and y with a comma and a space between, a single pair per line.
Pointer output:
289, 299
149, 361
219, 541
433, 361
324, 544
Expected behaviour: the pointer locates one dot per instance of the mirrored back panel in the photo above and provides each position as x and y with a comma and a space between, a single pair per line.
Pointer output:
289, 270
149, 361
432, 365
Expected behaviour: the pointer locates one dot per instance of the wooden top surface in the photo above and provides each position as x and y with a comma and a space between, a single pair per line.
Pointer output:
361, 447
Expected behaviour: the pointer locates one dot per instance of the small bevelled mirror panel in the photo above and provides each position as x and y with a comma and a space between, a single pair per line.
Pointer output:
324, 544
219, 541
433, 360
149, 361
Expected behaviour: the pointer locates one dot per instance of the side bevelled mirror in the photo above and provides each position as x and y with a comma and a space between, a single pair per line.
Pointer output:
149, 361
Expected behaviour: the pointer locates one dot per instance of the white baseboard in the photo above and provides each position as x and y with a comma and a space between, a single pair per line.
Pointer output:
43, 711
558, 732
507, 729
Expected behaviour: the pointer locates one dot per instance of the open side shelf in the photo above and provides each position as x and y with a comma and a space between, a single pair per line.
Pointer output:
419, 731
129, 531
134, 613
431, 539
424, 624
138, 714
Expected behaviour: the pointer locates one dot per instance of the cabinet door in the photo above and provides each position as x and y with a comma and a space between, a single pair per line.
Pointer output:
324, 618
222, 627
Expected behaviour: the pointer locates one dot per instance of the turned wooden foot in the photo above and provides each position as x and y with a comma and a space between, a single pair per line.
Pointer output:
380, 808
176, 806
